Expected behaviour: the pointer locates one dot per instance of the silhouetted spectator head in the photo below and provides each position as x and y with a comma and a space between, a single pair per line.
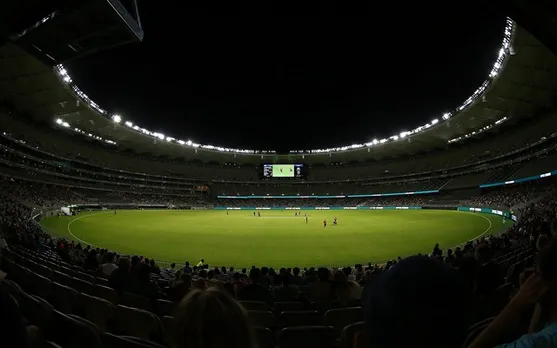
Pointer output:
124, 263
286, 279
419, 302
296, 271
323, 274
483, 253
347, 271
143, 273
255, 275
211, 319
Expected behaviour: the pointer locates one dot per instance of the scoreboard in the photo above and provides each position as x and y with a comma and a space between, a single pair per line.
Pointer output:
284, 171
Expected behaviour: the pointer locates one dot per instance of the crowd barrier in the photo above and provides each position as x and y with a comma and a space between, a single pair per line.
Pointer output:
318, 208
503, 213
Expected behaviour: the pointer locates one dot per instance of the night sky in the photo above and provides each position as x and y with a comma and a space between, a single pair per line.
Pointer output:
291, 77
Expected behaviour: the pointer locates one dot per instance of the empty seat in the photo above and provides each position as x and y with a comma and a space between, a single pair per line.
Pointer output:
61, 278
42, 286
139, 323
342, 317
39, 312
300, 318
254, 305
115, 341
107, 293
74, 333
102, 281
262, 318
45, 271
65, 299
168, 326
84, 276
165, 308
353, 336
280, 307
83, 286
99, 311
136, 301
264, 337
307, 336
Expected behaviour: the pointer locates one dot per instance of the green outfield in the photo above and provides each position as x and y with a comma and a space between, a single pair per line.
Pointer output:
277, 238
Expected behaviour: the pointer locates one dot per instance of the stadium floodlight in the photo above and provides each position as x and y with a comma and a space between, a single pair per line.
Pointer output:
504, 52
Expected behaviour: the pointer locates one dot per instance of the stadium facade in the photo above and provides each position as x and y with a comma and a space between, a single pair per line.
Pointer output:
52, 132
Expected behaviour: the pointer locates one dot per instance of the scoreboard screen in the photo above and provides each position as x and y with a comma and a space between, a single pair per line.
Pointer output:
283, 171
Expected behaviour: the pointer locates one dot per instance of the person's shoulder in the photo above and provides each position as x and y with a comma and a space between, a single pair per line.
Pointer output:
544, 338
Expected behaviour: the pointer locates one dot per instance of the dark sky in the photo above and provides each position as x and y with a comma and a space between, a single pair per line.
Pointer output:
284, 77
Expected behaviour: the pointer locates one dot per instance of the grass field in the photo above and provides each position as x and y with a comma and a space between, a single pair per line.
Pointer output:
277, 238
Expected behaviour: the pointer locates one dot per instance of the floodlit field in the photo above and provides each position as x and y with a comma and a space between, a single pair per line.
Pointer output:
277, 238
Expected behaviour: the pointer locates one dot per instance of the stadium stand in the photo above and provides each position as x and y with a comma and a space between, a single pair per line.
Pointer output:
56, 292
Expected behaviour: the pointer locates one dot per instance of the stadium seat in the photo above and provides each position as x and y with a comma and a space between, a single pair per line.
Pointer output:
262, 318
98, 311
107, 293
307, 336
65, 299
45, 271
353, 336
299, 318
264, 337
165, 308
83, 286
102, 281
82, 335
254, 305
115, 341
342, 317
136, 301
138, 323
324, 306
39, 312
61, 278
280, 307
42, 286
86, 277
168, 325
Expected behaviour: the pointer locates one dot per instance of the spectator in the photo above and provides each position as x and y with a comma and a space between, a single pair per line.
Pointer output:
417, 303
254, 291
211, 319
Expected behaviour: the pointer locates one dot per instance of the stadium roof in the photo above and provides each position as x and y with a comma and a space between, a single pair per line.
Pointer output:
526, 81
